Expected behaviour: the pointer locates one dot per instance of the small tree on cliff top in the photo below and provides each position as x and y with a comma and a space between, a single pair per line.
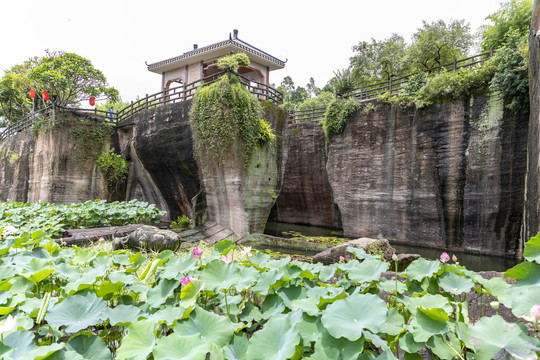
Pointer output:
67, 77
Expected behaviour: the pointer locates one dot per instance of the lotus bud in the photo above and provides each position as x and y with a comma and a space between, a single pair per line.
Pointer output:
535, 312
494, 305
444, 257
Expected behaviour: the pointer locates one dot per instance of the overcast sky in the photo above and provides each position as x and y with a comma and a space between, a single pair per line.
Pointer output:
118, 36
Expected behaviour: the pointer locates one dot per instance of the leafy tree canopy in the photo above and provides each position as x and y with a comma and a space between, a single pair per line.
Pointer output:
438, 43
67, 77
376, 61
513, 18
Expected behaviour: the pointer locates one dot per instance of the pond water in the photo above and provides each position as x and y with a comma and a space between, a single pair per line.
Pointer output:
470, 261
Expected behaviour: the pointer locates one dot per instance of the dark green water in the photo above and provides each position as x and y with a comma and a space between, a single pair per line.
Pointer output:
470, 261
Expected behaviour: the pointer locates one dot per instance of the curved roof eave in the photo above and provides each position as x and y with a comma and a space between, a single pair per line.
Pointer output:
269, 60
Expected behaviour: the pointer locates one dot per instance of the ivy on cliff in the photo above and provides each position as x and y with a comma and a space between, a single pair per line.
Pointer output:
222, 112
115, 171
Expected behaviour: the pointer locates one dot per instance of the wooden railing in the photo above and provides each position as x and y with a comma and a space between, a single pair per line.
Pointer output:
395, 84
315, 114
169, 96
186, 92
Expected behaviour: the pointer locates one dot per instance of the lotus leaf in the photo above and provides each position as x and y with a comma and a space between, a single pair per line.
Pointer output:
351, 316
213, 328
455, 284
238, 349
122, 315
531, 252
421, 268
428, 322
368, 270
76, 313
181, 347
276, 341
161, 292
139, 341
491, 336
89, 347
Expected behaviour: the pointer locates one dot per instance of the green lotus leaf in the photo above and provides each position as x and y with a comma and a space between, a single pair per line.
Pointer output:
139, 342
237, 350
349, 317
121, 277
328, 347
395, 323
444, 348
181, 347
310, 328
190, 293
89, 277
157, 295
170, 315
122, 315
493, 337
106, 287
526, 274
224, 246
177, 267
428, 322
421, 268
408, 344
368, 270
66, 355
217, 330
89, 347
102, 260
272, 306
36, 270
41, 352
21, 341
8, 271
76, 313
290, 293
328, 272
428, 301
265, 281
307, 305
455, 284
276, 341
390, 286
218, 276
532, 249
250, 313
83, 257
361, 254
122, 259
260, 259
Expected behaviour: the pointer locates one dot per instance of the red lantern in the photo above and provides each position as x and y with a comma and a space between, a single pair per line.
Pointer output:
32, 94
45, 95
92, 101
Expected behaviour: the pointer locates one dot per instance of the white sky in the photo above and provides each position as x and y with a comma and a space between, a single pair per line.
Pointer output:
118, 36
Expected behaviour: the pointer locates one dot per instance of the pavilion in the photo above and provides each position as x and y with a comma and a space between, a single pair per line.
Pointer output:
201, 62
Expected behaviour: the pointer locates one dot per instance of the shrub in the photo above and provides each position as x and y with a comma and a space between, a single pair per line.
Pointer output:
338, 114
182, 222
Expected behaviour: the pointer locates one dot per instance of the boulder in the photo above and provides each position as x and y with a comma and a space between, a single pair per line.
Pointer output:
404, 260
148, 238
370, 246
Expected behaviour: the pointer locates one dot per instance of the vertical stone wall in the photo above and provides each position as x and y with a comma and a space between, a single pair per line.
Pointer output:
305, 196
532, 225
163, 171
448, 176
52, 167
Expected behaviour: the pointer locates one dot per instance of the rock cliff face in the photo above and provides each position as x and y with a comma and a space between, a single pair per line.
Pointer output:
533, 175
163, 171
53, 167
450, 176
240, 197
305, 196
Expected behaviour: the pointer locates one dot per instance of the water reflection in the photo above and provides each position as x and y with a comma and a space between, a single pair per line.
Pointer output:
470, 261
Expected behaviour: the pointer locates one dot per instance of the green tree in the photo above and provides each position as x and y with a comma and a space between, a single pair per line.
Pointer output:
438, 43
513, 18
312, 89
322, 101
69, 78
377, 61
14, 102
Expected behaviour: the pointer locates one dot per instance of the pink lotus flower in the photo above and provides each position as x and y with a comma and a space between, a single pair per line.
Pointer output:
101, 239
186, 280
10, 229
454, 258
445, 257
535, 312
197, 253
341, 259
226, 259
